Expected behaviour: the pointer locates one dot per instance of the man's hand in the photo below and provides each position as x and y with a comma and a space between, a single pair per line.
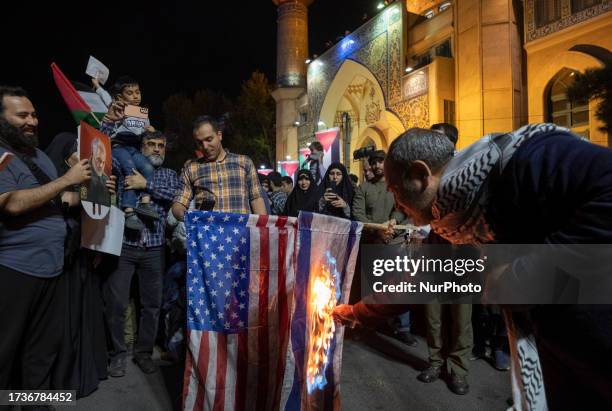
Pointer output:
78, 173
150, 128
111, 184
135, 181
387, 234
344, 315
95, 83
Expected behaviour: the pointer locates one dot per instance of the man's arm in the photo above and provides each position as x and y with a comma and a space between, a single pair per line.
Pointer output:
359, 206
18, 202
165, 189
183, 195
162, 189
258, 206
255, 192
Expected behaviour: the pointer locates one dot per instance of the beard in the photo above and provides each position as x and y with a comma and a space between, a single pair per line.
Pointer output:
17, 139
156, 160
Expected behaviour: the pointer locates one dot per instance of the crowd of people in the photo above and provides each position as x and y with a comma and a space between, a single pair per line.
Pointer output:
72, 317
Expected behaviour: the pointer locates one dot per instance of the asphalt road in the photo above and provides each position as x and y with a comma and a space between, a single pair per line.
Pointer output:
378, 373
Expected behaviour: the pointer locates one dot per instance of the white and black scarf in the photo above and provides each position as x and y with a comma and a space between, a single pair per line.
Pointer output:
463, 194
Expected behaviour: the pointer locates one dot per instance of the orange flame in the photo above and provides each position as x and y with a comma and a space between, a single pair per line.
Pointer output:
322, 303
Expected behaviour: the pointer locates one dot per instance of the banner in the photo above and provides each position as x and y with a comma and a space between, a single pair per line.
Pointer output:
330, 139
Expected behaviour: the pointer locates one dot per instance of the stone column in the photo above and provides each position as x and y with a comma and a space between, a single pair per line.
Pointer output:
488, 68
292, 42
292, 52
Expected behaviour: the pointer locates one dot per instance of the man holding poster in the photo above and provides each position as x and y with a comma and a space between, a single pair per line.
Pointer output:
32, 236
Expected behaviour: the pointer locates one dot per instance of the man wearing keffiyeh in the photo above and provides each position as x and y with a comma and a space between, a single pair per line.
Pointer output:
538, 185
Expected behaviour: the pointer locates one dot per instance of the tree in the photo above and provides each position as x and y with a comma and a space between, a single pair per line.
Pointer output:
248, 124
179, 111
254, 120
595, 83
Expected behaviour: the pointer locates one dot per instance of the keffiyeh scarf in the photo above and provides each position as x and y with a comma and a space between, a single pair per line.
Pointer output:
463, 194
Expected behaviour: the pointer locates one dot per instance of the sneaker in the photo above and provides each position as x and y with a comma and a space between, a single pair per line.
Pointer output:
147, 211
132, 222
406, 337
429, 375
145, 364
501, 361
117, 367
458, 384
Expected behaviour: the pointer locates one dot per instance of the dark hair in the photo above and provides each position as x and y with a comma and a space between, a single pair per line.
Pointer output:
354, 178
153, 135
201, 120
448, 130
10, 91
121, 83
431, 147
275, 178
316, 145
287, 179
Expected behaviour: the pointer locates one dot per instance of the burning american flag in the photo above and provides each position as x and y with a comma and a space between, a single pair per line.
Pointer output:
260, 292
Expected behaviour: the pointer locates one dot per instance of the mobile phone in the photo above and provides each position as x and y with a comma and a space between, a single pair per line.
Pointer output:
136, 111
5, 160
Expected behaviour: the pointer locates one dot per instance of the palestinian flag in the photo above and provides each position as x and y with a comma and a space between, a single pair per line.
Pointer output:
82, 101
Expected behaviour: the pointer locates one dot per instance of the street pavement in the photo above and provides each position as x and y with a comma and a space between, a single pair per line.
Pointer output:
378, 374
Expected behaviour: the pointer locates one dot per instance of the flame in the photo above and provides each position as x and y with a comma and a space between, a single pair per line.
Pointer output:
323, 298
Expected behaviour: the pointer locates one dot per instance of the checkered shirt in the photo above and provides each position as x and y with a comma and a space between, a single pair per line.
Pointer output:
162, 188
231, 183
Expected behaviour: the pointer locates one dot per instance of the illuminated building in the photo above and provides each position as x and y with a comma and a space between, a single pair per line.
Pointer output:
485, 66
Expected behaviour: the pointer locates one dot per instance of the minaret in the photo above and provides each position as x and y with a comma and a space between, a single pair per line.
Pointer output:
292, 52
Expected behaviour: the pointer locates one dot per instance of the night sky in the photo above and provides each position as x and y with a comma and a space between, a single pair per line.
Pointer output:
169, 47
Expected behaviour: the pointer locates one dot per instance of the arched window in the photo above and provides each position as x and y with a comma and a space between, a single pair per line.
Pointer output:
561, 110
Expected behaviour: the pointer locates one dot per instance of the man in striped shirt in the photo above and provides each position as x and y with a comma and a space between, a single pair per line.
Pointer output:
219, 180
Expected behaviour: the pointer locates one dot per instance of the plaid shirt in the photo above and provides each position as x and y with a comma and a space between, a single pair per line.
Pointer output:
231, 183
162, 188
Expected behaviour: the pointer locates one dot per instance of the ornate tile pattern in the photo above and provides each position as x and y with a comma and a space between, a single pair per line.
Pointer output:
377, 45
413, 112
568, 19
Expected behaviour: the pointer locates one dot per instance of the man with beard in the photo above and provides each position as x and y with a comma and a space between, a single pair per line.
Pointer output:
96, 188
540, 184
142, 253
32, 235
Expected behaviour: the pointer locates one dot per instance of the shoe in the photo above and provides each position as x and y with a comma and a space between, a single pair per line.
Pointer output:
501, 361
132, 222
116, 368
458, 384
147, 211
145, 364
406, 337
478, 353
429, 375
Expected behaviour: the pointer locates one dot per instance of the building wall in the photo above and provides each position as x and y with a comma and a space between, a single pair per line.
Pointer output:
488, 68
549, 53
